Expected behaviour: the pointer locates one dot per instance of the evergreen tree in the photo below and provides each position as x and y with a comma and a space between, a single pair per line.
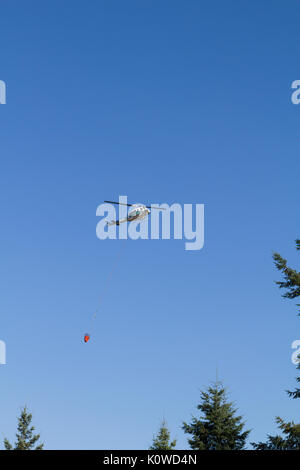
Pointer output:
26, 440
290, 430
295, 393
218, 428
162, 440
292, 285
291, 277
291, 442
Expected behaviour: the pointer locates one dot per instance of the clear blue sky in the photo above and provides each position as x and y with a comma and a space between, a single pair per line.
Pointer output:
163, 101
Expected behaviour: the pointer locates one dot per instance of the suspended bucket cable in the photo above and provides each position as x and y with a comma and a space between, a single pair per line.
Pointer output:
87, 336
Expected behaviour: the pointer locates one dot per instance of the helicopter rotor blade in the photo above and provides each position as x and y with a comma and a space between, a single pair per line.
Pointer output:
123, 204
120, 203
158, 208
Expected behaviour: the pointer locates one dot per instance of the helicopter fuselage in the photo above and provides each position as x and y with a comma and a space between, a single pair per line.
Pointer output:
138, 212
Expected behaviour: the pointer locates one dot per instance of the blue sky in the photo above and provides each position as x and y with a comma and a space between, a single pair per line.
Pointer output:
169, 101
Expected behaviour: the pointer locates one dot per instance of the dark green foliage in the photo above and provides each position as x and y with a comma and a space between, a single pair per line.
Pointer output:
26, 440
218, 428
162, 440
290, 442
291, 277
7, 444
295, 393
291, 431
292, 285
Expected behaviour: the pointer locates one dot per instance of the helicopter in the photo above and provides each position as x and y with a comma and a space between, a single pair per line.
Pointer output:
137, 212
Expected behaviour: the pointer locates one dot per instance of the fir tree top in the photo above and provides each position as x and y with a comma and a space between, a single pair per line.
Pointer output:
218, 428
162, 440
26, 440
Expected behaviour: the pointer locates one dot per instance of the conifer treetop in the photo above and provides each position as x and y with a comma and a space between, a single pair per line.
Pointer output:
25, 437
